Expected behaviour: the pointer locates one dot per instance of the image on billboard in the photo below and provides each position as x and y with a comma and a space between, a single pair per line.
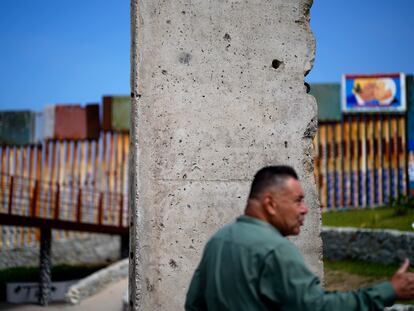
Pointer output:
373, 93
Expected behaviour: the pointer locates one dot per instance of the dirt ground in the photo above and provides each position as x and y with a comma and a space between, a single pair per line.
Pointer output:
342, 281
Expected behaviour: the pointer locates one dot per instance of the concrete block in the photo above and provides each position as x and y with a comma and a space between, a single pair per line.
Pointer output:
28, 292
117, 113
214, 99
17, 127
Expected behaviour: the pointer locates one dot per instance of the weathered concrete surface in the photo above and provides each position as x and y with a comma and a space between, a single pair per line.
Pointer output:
208, 111
97, 281
93, 248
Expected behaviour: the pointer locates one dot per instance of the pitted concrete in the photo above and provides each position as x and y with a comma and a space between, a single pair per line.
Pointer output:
97, 281
217, 93
75, 250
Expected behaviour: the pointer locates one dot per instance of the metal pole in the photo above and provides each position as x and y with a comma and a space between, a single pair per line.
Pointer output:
45, 266
125, 245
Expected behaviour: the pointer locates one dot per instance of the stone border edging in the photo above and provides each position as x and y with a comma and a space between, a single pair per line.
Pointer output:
371, 245
400, 308
97, 281
125, 301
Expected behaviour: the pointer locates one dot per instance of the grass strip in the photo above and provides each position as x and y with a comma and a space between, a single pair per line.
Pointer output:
373, 218
362, 268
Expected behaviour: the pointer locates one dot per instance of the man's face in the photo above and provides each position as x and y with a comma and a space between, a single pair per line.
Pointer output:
287, 208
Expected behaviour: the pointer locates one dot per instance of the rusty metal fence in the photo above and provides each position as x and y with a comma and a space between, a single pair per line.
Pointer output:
361, 161
74, 181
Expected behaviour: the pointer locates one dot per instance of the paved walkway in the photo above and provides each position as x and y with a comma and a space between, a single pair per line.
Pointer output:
110, 299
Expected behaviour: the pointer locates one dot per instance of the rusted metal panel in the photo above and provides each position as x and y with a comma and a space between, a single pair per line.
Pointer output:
61, 181
403, 155
117, 112
107, 113
93, 124
17, 127
328, 96
121, 113
410, 131
16, 220
70, 122
361, 160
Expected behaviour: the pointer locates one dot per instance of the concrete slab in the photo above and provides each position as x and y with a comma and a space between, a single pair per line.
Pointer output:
217, 93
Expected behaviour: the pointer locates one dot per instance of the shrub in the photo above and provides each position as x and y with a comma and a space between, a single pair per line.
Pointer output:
402, 204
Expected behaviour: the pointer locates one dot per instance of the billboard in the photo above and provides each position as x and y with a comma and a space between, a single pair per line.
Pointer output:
373, 93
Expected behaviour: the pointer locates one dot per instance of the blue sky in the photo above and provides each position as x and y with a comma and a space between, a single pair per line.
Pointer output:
62, 51
74, 51
362, 36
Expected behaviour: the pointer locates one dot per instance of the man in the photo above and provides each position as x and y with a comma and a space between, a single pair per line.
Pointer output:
250, 265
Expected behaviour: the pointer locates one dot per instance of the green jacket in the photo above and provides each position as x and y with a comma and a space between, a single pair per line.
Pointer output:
249, 265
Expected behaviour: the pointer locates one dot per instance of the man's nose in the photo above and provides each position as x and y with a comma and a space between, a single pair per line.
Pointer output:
305, 209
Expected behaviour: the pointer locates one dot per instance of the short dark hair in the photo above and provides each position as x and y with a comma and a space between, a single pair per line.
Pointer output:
270, 176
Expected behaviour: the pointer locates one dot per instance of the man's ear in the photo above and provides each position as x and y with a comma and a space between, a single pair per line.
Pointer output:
269, 203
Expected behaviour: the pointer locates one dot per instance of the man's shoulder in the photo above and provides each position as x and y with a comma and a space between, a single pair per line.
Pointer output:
250, 235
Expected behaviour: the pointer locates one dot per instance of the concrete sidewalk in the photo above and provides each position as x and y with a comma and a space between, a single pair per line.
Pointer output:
109, 299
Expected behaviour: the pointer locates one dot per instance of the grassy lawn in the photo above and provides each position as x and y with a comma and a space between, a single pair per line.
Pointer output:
366, 269
378, 218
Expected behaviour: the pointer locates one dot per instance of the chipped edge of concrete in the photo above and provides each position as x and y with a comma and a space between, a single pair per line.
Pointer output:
310, 131
96, 282
135, 296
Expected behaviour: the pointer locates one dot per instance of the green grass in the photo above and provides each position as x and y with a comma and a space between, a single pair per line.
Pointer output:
375, 218
362, 268
31, 274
